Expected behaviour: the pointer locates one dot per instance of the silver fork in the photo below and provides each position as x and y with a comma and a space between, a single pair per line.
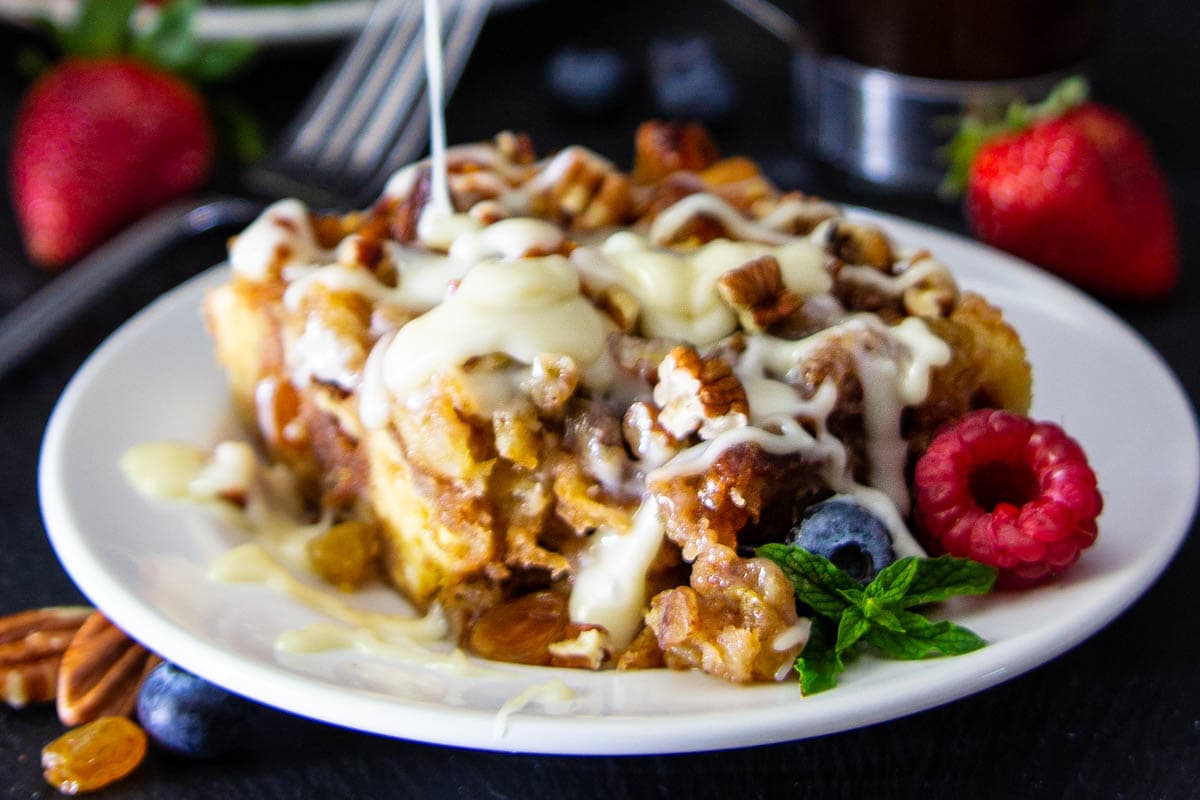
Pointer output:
369, 113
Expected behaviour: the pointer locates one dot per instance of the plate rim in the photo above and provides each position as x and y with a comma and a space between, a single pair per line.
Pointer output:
308, 23
582, 733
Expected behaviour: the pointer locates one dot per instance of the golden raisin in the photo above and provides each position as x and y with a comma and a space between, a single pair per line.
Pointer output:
94, 755
521, 630
344, 554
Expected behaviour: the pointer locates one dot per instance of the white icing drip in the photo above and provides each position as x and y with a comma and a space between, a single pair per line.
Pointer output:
554, 696
671, 221
374, 400
322, 637
610, 583
895, 284
508, 238
282, 235
521, 308
320, 354
439, 198
791, 209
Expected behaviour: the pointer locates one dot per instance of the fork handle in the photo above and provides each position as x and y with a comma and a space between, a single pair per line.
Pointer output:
28, 326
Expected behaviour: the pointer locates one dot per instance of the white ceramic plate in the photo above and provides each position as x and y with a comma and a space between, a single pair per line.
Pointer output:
144, 563
320, 20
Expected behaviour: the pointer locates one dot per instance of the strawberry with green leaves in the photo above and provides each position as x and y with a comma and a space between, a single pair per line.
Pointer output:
115, 129
1072, 186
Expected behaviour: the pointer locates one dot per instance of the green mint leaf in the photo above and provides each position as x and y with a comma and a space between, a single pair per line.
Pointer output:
922, 638
938, 579
851, 628
819, 663
892, 582
816, 581
880, 615
101, 29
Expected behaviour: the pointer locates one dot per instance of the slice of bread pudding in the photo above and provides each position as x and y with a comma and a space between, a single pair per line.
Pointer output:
568, 411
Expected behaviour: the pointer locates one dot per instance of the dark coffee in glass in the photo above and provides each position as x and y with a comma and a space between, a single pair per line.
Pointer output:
958, 39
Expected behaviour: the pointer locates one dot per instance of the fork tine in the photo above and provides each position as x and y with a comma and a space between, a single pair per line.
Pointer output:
366, 106
325, 105
410, 139
406, 86
374, 110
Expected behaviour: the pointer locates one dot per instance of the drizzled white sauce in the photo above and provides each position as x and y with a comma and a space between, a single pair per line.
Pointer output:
610, 584
281, 236
669, 223
521, 308
553, 696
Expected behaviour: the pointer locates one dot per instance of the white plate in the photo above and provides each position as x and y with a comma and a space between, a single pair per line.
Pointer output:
320, 20
144, 563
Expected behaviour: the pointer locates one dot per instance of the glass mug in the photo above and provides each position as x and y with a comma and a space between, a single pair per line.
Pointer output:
881, 83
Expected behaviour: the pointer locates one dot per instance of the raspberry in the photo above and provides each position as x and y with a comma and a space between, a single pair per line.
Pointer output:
1010, 492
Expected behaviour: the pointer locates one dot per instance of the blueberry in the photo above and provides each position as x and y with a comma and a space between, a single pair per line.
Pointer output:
848, 535
190, 716
587, 81
689, 80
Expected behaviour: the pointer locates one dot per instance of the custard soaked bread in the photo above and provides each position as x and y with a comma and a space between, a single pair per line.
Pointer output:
567, 408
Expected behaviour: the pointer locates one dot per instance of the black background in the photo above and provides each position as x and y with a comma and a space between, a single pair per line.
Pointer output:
1117, 717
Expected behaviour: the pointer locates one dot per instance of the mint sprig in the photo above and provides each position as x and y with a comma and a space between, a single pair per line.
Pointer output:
847, 614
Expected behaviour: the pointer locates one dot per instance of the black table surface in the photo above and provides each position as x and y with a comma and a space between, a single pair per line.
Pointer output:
1118, 716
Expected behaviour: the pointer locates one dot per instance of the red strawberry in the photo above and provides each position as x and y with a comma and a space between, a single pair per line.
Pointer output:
1077, 191
98, 143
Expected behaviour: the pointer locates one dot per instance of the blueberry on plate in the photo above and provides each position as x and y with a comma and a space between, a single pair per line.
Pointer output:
847, 534
190, 716
587, 80
689, 81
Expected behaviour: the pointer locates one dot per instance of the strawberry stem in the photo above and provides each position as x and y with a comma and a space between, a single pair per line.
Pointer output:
975, 131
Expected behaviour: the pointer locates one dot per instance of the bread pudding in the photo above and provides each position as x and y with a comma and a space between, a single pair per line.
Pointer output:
567, 408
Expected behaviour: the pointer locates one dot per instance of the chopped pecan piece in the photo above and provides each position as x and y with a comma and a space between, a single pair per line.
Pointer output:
552, 381
756, 291
737, 620
580, 189
697, 394
856, 243
516, 147
648, 440
621, 307
934, 294
666, 147
588, 649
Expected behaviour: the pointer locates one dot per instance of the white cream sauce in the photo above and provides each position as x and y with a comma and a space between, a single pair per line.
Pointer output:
281, 236
554, 696
610, 584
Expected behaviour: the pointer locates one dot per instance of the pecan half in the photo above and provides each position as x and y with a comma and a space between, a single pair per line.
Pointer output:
648, 440
756, 292
580, 189
855, 243
698, 394
31, 647
666, 147
101, 672
588, 649
552, 381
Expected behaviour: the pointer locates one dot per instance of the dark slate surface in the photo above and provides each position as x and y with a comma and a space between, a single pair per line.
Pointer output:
1117, 717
